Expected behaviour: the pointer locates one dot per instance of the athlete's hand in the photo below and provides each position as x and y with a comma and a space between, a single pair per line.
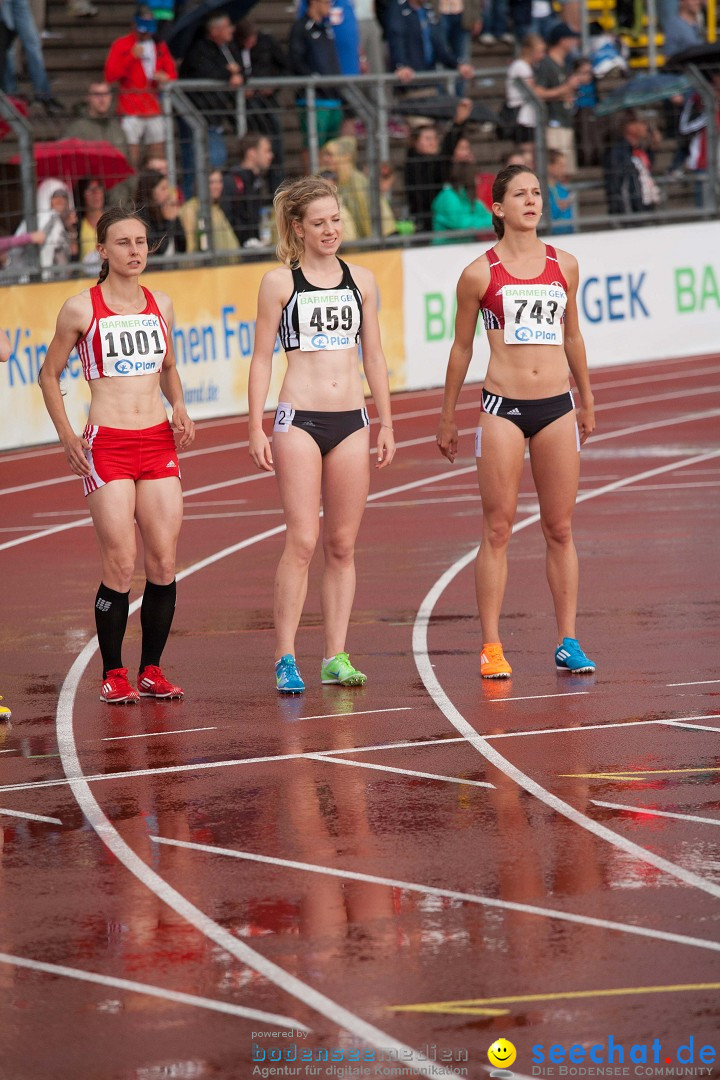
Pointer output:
585, 421
447, 439
183, 427
75, 453
259, 450
385, 447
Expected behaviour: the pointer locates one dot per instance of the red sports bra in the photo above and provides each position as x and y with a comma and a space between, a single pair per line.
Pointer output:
530, 311
122, 345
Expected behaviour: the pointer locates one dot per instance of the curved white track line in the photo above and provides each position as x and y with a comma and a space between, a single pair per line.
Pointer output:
458, 721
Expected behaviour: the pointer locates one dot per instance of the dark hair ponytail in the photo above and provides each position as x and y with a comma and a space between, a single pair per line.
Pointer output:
500, 186
109, 218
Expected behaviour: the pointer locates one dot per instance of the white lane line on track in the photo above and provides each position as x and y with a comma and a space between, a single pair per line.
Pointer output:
31, 817
539, 697
358, 712
691, 727
700, 682
266, 758
458, 721
452, 894
155, 734
152, 991
401, 772
619, 433
657, 813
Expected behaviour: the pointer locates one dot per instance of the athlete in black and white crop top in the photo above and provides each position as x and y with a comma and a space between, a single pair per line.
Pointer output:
316, 319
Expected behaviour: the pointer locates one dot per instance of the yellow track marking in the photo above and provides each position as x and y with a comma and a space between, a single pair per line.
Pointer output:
634, 775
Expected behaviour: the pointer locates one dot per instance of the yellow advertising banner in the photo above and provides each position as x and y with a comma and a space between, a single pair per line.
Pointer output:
213, 336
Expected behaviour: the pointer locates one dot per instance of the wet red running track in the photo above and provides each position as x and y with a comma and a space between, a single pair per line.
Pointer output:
377, 881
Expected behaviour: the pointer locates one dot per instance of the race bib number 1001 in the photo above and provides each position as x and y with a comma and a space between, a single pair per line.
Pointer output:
533, 314
132, 344
327, 321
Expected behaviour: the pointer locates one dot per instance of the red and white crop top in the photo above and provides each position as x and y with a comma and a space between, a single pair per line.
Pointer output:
530, 311
122, 345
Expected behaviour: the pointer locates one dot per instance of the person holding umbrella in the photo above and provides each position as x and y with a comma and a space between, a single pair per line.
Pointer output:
126, 456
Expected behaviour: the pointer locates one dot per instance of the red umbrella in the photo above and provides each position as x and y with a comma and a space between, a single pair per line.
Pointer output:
76, 159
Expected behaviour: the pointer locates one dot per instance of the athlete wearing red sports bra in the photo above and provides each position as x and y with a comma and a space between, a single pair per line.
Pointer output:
527, 294
127, 456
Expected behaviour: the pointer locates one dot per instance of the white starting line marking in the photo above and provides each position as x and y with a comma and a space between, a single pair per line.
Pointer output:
657, 813
432, 890
154, 734
31, 817
153, 991
538, 697
700, 682
358, 712
402, 772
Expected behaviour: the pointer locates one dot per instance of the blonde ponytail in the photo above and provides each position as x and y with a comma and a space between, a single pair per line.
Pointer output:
291, 201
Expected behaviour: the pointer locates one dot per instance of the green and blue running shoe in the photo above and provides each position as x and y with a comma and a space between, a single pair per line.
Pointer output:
287, 676
339, 671
570, 657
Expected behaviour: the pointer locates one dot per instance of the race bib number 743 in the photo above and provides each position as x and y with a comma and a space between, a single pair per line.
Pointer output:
132, 344
533, 314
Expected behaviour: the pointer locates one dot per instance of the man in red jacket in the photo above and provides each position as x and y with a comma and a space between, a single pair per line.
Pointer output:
140, 65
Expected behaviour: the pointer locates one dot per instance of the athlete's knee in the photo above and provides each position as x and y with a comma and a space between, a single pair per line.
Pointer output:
160, 569
118, 570
558, 532
497, 532
339, 547
300, 546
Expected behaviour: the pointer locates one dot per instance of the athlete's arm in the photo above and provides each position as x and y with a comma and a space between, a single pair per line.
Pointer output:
71, 324
575, 348
271, 297
375, 365
170, 383
5, 347
472, 285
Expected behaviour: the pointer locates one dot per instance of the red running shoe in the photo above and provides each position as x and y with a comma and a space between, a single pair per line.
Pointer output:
117, 689
152, 683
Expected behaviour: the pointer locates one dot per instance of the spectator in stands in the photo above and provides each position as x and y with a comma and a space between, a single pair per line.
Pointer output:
7, 36
518, 115
215, 56
457, 206
558, 90
627, 165
341, 18
495, 23
312, 51
458, 130
19, 240
224, 239
694, 127
60, 246
416, 42
684, 29
18, 18
99, 122
140, 65
160, 210
388, 222
424, 174
587, 127
372, 46
262, 57
91, 198
562, 199
245, 189
338, 157
81, 9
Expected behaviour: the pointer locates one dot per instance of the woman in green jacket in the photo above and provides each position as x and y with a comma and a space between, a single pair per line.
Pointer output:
457, 206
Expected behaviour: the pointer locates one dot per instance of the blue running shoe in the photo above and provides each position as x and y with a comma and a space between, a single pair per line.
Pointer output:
287, 676
570, 657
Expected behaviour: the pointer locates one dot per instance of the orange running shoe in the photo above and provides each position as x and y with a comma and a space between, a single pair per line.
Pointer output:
493, 664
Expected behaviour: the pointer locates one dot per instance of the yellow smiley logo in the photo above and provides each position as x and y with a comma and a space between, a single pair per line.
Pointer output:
502, 1054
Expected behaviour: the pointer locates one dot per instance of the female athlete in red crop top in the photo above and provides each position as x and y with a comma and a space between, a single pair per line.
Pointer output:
126, 456
526, 291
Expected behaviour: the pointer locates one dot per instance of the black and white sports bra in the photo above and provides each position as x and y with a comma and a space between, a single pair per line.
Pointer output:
321, 320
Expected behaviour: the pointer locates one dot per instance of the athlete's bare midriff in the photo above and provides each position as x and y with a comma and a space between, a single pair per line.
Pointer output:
525, 371
323, 381
130, 403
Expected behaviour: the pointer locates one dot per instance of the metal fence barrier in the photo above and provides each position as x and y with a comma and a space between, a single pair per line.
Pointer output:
359, 130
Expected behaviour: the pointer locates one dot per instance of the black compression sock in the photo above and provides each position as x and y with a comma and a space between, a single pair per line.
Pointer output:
156, 616
111, 616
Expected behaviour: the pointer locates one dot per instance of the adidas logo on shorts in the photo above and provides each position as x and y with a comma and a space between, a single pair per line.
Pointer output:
514, 412
170, 465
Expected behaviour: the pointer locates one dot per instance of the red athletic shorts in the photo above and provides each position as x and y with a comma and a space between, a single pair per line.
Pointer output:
116, 454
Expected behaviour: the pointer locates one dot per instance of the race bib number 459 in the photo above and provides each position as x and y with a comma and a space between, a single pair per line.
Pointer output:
327, 321
533, 314
132, 344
